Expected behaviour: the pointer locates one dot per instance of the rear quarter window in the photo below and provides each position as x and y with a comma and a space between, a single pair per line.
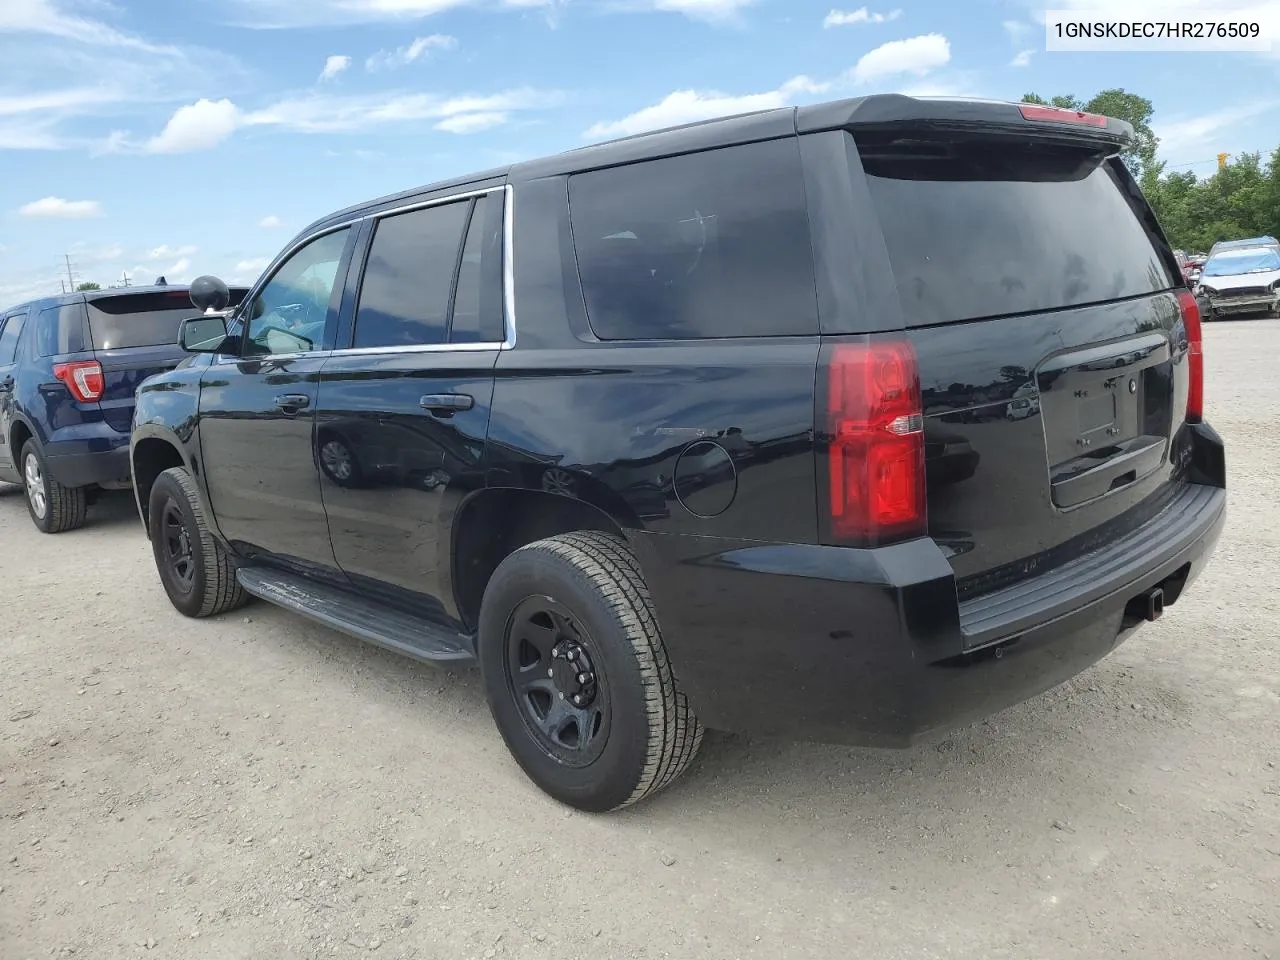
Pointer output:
989, 229
60, 330
705, 245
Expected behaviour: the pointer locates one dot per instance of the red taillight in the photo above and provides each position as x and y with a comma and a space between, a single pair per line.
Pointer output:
1195, 356
876, 456
1061, 115
83, 378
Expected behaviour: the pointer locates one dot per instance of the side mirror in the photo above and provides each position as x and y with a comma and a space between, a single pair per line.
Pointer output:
203, 334
209, 294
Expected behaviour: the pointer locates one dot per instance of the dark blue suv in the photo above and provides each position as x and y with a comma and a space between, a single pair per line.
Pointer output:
69, 366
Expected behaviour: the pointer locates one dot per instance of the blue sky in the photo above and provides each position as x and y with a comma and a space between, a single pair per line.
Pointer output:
181, 137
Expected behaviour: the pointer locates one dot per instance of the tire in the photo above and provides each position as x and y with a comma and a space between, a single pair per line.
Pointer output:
583, 593
194, 568
53, 507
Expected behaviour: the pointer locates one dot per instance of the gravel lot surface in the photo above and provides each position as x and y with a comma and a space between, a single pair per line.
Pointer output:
257, 787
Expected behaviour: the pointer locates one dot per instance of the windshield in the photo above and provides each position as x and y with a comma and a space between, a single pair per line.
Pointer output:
1260, 260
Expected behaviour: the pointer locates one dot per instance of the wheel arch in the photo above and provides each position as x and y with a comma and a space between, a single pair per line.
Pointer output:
152, 451
496, 521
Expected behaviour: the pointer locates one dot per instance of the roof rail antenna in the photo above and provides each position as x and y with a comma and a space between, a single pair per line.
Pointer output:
161, 282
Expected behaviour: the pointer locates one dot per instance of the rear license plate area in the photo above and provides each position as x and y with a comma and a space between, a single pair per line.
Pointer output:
1107, 416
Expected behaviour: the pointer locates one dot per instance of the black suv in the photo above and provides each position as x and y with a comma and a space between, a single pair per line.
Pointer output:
711, 426
69, 366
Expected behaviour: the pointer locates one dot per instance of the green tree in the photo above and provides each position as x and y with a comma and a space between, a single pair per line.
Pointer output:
89, 285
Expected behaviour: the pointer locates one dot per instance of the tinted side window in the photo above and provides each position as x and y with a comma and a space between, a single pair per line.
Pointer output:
290, 311
9, 337
712, 244
477, 304
60, 330
408, 277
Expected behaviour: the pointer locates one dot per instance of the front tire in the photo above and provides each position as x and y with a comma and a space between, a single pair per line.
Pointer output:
53, 507
195, 570
577, 675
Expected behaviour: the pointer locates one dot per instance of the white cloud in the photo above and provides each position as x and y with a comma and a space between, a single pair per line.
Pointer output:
842, 18
43, 17
472, 122
702, 9
1016, 29
1185, 135
56, 208
689, 106
417, 50
1022, 59
197, 126
916, 56
247, 271
166, 252
269, 14
81, 252
207, 123
271, 223
66, 75
333, 66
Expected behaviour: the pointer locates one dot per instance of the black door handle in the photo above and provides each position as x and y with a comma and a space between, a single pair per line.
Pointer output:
293, 402
447, 403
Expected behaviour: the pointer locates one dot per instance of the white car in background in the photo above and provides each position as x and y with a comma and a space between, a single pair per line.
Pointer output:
1240, 280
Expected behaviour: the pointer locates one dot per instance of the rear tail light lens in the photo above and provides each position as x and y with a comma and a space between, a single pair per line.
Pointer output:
1195, 356
875, 457
84, 379
1061, 115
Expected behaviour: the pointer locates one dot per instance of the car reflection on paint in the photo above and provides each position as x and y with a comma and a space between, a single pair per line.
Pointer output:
359, 454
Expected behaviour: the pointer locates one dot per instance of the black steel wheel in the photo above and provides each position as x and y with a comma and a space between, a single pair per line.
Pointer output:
553, 675
179, 554
194, 568
577, 674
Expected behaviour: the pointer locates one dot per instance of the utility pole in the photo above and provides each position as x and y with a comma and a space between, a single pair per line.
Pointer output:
70, 277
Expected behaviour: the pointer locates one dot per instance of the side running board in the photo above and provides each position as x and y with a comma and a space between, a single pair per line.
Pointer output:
357, 616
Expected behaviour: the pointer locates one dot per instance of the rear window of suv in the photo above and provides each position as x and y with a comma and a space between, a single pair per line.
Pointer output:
986, 229
142, 319
705, 245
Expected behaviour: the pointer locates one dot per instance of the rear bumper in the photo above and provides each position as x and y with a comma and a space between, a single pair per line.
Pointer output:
89, 460
871, 647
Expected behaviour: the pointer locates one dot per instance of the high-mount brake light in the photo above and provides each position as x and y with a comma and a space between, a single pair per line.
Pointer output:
1034, 111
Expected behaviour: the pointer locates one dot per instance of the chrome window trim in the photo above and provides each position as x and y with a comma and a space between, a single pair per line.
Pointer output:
508, 281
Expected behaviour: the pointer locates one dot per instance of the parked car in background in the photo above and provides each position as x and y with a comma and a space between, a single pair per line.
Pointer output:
1246, 243
69, 366
1241, 280
623, 427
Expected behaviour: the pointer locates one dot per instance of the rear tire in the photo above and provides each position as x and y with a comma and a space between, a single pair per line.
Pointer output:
53, 507
568, 608
194, 568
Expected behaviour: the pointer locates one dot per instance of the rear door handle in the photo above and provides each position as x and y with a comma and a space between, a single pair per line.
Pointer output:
293, 402
447, 403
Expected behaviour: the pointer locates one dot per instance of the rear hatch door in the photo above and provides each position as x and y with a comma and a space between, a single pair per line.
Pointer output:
1041, 300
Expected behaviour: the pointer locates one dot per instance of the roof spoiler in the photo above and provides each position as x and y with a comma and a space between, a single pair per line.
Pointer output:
890, 110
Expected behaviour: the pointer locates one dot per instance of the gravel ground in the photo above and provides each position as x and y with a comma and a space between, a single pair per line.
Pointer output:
257, 787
